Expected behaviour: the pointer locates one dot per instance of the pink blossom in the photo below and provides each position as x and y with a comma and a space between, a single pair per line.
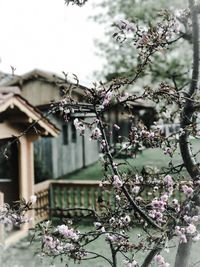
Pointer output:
176, 26
175, 201
158, 204
103, 143
164, 197
125, 25
179, 231
117, 182
136, 189
157, 215
33, 199
168, 151
123, 97
191, 229
130, 263
114, 165
103, 230
96, 134
165, 264
67, 232
196, 237
159, 259
112, 220
183, 238
112, 238
68, 246
117, 197
168, 181
97, 225
188, 191
176, 204
107, 98
79, 125
187, 218
195, 218
126, 219
49, 242
151, 135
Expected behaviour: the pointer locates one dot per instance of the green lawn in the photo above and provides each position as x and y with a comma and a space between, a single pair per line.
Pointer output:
148, 157
23, 254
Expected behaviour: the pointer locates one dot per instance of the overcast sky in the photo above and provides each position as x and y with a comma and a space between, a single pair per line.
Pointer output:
48, 35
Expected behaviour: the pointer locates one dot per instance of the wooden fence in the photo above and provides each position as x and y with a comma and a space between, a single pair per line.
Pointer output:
66, 199
79, 198
42, 206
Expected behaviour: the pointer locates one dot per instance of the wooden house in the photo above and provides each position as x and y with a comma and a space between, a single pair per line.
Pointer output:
69, 152
21, 124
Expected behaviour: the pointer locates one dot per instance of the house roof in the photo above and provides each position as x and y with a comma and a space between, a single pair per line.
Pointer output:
11, 80
15, 80
11, 100
50, 77
143, 103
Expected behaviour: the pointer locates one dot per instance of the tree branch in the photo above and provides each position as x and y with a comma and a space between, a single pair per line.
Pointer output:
150, 256
123, 188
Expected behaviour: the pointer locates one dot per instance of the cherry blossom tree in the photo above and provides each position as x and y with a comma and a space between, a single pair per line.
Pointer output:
171, 212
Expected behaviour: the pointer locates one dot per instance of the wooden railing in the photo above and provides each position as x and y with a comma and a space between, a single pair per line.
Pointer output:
78, 198
42, 206
66, 199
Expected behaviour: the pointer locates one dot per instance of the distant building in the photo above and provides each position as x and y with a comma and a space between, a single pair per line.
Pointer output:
127, 116
55, 157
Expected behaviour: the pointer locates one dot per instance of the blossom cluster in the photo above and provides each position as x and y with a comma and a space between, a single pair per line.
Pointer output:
148, 40
16, 216
110, 96
161, 261
158, 208
130, 263
79, 125
117, 182
11, 218
182, 232
67, 232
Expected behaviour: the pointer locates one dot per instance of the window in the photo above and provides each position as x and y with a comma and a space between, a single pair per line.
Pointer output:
65, 134
73, 129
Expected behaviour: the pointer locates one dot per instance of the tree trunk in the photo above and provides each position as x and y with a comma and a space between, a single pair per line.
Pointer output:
183, 253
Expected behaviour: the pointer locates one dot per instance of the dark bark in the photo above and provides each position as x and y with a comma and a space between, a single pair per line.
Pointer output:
114, 255
188, 109
184, 249
150, 256
183, 253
